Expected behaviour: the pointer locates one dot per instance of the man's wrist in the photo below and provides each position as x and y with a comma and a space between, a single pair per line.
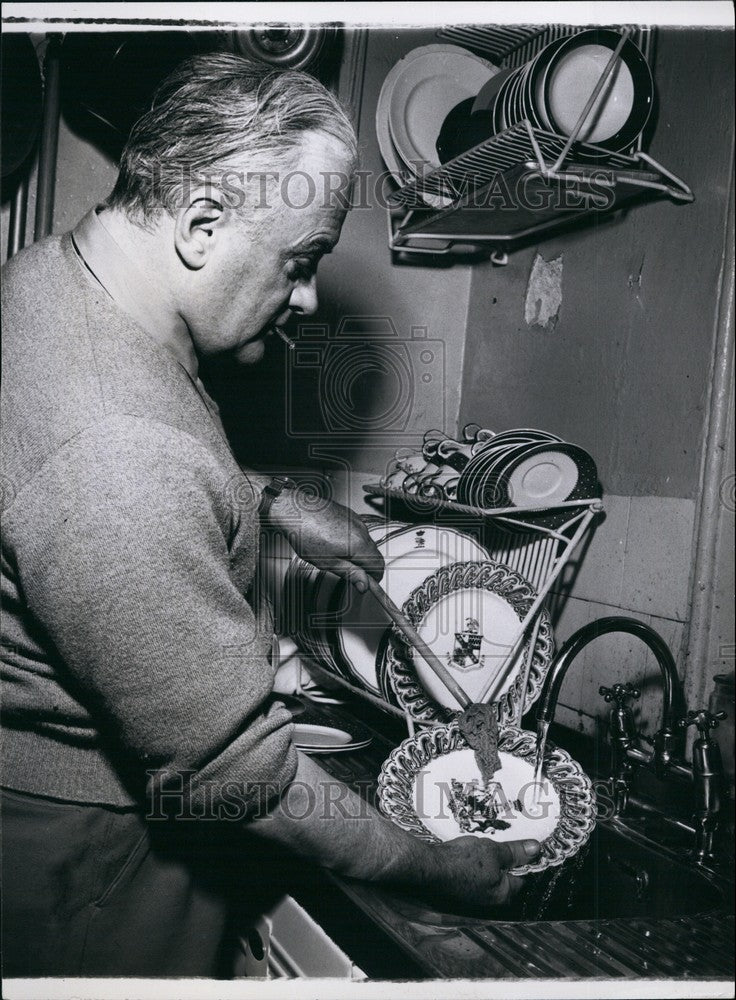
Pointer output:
271, 491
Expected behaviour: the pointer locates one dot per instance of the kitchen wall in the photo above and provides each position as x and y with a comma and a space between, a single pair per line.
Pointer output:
84, 177
624, 369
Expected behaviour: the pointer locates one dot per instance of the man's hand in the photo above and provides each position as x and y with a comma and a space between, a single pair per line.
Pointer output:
476, 870
332, 538
339, 831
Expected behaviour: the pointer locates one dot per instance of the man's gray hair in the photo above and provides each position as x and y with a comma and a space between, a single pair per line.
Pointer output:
220, 112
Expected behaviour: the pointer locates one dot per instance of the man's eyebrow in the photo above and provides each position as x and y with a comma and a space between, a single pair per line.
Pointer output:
322, 244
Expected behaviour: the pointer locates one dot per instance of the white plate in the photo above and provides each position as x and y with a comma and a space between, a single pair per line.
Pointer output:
425, 91
413, 791
572, 82
547, 478
472, 631
383, 133
412, 554
515, 782
498, 599
398, 170
325, 739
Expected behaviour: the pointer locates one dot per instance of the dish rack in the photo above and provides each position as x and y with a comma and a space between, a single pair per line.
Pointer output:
535, 542
523, 181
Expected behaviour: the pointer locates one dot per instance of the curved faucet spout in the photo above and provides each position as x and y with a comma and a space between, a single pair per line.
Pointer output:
577, 642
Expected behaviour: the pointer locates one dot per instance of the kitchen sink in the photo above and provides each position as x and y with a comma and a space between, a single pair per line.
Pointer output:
623, 908
617, 876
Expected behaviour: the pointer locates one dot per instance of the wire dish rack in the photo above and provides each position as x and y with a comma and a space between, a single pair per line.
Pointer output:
510, 46
517, 184
524, 181
534, 542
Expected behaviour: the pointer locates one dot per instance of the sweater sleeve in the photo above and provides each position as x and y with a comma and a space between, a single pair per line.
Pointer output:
123, 556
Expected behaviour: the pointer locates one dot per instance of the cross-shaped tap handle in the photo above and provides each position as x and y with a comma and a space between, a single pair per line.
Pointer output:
703, 719
620, 693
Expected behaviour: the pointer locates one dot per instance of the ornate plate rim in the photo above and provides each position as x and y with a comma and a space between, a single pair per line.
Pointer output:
411, 695
577, 797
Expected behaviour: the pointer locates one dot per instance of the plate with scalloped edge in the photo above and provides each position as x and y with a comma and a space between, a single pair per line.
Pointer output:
415, 788
469, 614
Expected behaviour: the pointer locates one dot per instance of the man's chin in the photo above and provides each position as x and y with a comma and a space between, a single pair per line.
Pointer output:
250, 353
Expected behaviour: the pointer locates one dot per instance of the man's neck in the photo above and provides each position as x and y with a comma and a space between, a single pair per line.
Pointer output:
144, 256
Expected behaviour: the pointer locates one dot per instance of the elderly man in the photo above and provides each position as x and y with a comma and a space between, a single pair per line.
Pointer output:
136, 680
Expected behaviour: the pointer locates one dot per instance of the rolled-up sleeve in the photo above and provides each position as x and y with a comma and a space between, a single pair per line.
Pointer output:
127, 563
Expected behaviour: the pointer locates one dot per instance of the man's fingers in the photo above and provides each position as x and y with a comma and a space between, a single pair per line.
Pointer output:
515, 853
371, 560
350, 572
507, 888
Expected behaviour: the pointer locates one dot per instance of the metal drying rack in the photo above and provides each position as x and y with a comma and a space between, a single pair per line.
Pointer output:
563, 180
536, 551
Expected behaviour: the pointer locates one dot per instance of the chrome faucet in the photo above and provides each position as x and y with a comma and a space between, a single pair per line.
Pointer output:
706, 771
708, 778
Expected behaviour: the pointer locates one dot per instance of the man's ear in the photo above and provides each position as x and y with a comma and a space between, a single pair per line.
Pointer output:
197, 225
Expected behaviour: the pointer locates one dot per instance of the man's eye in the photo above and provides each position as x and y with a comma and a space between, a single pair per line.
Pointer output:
302, 269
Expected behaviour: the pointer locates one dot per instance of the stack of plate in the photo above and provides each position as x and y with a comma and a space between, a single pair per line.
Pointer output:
552, 90
527, 468
416, 97
348, 632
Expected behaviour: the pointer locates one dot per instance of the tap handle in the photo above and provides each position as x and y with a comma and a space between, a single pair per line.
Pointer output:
620, 693
703, 719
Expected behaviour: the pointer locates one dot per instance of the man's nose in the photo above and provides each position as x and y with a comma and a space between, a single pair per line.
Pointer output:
304, 297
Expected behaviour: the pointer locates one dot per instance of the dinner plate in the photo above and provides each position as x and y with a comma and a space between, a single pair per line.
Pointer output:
520, 111
416, 779
324, 739
470, 615
474, 478
519, 434
575, 75
536, 83
508, 98
545, 477
490, 92
397, 168
427, 87
383, 133
622, 108
549, 474
412, 554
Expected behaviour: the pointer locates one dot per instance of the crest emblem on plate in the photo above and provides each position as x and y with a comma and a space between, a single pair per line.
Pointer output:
466, 653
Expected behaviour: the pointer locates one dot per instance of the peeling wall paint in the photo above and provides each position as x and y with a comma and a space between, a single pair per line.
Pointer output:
544, 293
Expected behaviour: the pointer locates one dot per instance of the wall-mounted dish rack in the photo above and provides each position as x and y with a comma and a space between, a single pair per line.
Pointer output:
524, 181
535, 542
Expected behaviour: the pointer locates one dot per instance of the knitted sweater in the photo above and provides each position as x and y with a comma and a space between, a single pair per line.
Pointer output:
128, 544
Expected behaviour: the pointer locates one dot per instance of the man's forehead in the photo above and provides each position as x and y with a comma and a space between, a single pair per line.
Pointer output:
308, 195
314, 193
